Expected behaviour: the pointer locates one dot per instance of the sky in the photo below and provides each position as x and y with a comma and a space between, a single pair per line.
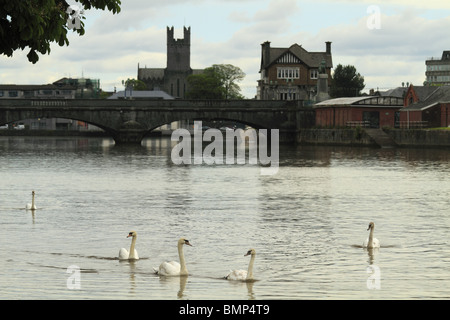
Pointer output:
387, 41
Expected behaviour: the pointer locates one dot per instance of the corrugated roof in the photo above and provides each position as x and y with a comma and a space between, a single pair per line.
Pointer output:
365, 101
342, 101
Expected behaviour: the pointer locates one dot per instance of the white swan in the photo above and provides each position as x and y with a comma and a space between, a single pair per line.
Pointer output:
32, 205
243, 275
371, 242
133, 254
173, 268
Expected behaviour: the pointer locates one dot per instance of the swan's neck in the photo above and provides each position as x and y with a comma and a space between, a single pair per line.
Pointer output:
183, 270
250, 267
32, 202
370, 243
133, 244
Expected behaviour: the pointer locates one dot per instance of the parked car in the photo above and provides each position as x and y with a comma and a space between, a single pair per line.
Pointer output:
4, 127
19, 127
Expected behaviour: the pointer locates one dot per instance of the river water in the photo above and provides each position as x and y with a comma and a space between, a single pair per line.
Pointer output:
307, 222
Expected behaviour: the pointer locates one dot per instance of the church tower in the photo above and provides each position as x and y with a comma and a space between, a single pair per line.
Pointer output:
178, 63
173, 78
179, 51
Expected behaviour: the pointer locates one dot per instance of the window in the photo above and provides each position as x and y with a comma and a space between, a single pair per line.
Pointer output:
287, 95
314, 74
13, 94
288, 73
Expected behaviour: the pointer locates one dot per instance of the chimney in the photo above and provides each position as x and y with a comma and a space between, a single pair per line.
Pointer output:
328, 46
265, 52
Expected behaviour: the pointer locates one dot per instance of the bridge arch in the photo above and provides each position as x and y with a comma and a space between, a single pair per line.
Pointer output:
15, 117
128, 121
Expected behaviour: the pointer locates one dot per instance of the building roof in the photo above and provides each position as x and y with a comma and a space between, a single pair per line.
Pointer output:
312, 59
341, 101
366, 101
423, 92
398, 92
438, 95
137, 94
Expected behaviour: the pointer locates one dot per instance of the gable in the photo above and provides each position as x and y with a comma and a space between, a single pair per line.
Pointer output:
288, 57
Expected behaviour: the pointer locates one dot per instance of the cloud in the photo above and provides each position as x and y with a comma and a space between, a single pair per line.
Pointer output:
429, 4
390, 55
232, 32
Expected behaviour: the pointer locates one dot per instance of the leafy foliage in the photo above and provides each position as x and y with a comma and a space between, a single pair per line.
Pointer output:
37, 23
216, 82
206, 85
346, 82
137, 85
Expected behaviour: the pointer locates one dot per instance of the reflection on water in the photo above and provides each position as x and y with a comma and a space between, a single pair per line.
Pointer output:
307, 222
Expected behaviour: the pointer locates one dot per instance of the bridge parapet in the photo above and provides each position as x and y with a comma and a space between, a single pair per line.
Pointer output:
129, 120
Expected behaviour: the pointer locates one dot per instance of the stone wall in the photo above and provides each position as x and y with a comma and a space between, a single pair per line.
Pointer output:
357, 137
348, 137
420, 137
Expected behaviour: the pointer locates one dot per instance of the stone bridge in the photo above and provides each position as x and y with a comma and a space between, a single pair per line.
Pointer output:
128, 121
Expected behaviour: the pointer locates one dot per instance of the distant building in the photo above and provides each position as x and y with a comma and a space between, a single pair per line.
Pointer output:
65, 88
438, 70
416, 94
426, 106
292, 73
366, 112
30, 91
173, 78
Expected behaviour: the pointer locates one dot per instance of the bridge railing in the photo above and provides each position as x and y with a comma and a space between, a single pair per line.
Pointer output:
150, 103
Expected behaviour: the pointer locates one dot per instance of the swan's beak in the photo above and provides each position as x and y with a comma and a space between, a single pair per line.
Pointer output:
370, 226
188, 243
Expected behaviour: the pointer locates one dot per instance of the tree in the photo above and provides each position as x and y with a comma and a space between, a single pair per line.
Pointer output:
205, 85
137, 85
346, 82
229, 75
216, 82
37, 23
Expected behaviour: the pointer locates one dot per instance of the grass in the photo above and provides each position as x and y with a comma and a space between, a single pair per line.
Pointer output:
440, 128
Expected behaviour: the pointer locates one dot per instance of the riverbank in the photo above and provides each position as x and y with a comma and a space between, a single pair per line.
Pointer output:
417, 138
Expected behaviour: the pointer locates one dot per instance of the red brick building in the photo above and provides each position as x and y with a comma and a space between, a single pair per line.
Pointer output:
368, 111
291, 73
425, 107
